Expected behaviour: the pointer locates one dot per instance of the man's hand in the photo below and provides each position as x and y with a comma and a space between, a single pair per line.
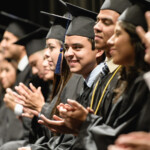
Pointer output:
58, 125
73, 113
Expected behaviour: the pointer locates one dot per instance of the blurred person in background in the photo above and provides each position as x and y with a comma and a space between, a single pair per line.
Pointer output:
9, 123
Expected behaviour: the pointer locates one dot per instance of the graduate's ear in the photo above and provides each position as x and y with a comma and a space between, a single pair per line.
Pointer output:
100, 56
99, 53
22, 47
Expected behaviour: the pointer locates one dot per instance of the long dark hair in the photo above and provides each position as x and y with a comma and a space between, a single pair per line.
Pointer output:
60, 81
140, 66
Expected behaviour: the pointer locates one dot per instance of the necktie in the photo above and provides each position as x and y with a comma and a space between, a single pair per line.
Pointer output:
104, 72
105, 69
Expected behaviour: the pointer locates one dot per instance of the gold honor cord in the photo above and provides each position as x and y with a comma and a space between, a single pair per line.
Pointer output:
93, 95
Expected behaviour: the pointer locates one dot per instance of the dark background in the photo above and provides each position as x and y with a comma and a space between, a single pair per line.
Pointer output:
30, 9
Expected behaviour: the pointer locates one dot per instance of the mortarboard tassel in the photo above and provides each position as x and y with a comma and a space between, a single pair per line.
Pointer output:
58, 65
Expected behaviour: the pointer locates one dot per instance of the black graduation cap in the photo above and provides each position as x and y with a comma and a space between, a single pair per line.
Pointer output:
116, 5
59, 26
64, 7
17, 25
34, 41
135, 14
82, 23
58, 31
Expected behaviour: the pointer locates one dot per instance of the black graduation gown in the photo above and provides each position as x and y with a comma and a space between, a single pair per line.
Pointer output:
24, 76
37, 129
144, 119
68, 92
106, 102
9, 125
75, 82
31, 130
64, 141
123, 118
27, 77
27, 132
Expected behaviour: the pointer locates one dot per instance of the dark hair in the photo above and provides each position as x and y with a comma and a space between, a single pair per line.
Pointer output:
140, 66
92, 43
60, 81
12, 62
139, 48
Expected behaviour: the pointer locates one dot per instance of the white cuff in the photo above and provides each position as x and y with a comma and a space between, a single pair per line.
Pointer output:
18, 109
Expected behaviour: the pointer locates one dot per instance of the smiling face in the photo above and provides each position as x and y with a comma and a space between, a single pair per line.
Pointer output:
11, 50
54, 50
121, 48
79, 55
48, 74
7, 74
104, 28
36, 60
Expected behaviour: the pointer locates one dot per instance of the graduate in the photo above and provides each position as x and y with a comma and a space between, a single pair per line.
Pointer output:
35, 45
79, 54
101, 101
105, 84
104, 29
8, 122
89, 69
138, 140
16, 28
64, 81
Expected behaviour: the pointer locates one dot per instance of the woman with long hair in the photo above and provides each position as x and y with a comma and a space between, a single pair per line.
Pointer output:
138, 140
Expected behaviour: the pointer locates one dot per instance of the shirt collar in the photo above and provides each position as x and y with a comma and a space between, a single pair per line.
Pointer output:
110, 64
93, 75
23, 63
